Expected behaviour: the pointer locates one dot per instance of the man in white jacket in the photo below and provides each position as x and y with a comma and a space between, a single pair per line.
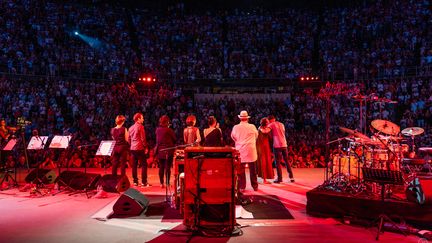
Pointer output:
245, 135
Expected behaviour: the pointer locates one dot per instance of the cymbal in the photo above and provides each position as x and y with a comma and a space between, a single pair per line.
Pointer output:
389, 137
355, 133
426, 149
386, 127
385, 100
374, 143
412, 131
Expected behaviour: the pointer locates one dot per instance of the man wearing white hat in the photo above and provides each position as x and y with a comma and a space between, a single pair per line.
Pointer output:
245, 135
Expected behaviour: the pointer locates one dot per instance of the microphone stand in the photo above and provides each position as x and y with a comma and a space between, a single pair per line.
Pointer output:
85, 163
167, 183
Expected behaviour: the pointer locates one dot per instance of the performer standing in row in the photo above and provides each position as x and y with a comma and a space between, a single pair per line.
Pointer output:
213, 134
120, 152
5, 131
245, 135
165, 138
138, 149
280, 148
191, 134
264, 144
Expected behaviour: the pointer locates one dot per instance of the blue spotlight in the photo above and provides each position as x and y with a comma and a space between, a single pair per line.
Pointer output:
76, 33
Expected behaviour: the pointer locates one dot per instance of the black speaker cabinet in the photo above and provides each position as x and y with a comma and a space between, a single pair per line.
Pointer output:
85, 181
65, 177
130, 203
111, 183
46, 176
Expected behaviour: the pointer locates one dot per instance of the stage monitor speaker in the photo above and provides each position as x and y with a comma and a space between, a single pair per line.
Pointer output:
112, 183
427, 189
46, 176
130, 203
65, 177
419, 190
84, 181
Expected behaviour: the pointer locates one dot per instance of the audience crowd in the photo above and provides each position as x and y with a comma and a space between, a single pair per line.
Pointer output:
86, 110
372, 40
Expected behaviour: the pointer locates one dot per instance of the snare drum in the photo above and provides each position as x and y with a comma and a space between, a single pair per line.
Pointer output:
376, 155
404, 148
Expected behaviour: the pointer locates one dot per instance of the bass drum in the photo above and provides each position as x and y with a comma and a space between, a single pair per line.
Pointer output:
346, 165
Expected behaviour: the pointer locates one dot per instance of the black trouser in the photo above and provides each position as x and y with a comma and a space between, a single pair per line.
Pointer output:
138, 156
242, 176
165, 168
282, 152
119, 156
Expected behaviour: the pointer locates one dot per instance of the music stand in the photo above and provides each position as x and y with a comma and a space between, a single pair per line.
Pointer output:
105, 150
37, 142
383, 177
60, 142
9, 147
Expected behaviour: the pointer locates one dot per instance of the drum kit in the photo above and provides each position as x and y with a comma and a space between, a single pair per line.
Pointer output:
386, 149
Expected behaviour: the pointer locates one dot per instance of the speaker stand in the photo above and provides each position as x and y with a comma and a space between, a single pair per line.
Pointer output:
86, 190
7, 176
38, 184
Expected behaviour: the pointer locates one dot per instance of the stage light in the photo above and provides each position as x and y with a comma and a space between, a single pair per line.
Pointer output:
76, 33
302, 78
149, 79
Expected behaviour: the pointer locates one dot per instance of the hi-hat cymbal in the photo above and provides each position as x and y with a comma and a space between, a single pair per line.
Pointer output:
355, 133
412, 131
386, 127
389, 137
359, 97
385, 100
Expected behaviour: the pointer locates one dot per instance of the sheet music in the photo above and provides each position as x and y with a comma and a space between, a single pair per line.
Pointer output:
37, 142
60, 141
105, 148
10, 145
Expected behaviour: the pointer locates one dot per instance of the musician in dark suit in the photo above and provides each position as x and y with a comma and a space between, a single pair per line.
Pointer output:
165, 138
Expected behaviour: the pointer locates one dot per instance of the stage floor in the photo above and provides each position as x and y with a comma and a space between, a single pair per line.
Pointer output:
64, 218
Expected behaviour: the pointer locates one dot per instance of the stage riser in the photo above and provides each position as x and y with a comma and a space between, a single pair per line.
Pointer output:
337, 205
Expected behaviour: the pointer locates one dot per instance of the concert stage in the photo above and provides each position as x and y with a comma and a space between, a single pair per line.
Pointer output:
75, 218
